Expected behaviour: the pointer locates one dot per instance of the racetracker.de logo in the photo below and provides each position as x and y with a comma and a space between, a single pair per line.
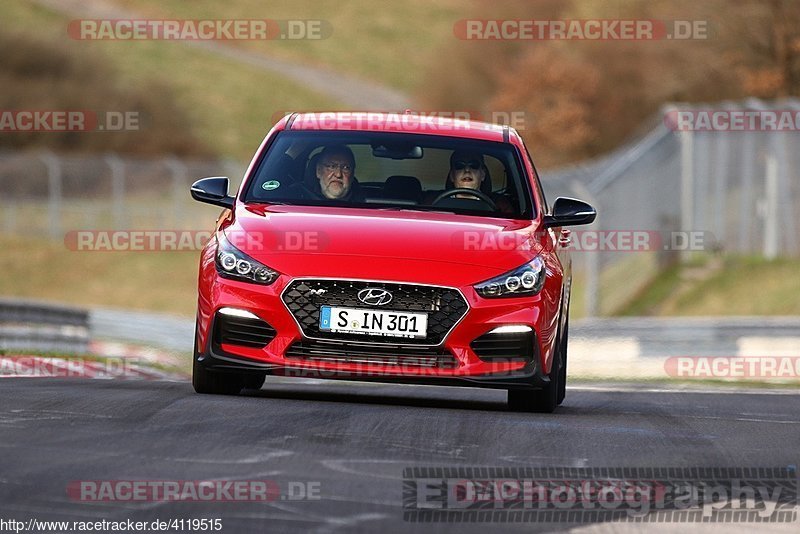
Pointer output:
193, 240
406, 121
192, 490
586, 240
198, 29
733, 367
740, 120
579, 30
61, 120
53, 367
517, 119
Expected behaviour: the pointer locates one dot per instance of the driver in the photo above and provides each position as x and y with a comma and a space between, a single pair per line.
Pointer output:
333, 178
468, 171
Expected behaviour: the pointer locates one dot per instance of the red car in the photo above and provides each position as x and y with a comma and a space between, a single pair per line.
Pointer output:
389, 247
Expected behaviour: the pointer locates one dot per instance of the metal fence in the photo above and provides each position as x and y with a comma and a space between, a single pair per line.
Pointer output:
739, 188
44, 194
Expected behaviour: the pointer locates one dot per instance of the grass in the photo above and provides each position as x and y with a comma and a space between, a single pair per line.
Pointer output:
651, 297
741, 286
617, 284
46, 270
619, 280
231, 105
386, 41
40, 268
745, 286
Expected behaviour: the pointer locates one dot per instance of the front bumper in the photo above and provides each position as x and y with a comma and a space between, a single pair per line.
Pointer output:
527, 377
291, 351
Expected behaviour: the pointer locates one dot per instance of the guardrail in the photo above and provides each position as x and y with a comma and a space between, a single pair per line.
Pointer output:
43, 327
614, 348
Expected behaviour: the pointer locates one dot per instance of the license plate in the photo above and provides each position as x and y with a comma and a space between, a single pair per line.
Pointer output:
373, 322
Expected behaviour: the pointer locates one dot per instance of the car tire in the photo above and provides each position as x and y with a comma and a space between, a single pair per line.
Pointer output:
209, 382
546, 399
562, 379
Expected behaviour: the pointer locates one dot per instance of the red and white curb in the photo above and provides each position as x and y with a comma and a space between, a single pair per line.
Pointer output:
118, 362
775, 359
22, 366
149, 355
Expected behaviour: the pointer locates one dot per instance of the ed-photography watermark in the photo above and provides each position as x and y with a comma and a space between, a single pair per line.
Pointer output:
579, 30
192, 490
578, 495
198, 29
61, 120
733, 367
740, 120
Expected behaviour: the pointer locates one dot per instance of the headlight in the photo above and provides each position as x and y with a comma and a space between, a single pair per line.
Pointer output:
522, 281
233, 263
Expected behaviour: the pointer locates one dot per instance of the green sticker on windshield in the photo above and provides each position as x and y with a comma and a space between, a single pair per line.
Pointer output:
270, 185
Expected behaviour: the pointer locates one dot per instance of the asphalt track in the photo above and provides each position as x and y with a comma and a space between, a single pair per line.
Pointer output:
352, 441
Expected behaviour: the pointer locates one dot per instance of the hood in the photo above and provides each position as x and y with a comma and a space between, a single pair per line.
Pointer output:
398, 245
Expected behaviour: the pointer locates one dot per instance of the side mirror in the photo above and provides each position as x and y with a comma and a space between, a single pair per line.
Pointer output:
570, 212
213, 191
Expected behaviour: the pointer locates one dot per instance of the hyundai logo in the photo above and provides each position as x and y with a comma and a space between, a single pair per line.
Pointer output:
374, 296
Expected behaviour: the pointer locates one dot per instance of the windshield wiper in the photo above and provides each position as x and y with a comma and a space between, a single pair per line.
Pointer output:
408, 208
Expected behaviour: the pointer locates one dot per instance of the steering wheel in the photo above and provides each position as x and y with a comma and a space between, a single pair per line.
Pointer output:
480, 195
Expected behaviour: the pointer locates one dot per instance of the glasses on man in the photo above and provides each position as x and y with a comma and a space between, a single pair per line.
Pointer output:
333, 167
472, 164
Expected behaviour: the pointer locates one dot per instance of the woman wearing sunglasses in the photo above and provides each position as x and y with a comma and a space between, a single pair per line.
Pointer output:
468, 171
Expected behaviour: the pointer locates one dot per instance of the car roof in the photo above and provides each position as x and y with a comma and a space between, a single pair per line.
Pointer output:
407, 122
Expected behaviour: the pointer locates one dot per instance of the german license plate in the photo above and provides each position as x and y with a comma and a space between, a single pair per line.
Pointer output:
373, 322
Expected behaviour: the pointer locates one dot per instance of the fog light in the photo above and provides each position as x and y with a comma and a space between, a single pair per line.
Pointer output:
511, 329
236, 312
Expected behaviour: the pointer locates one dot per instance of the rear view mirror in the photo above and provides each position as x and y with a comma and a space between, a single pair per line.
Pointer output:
397, 151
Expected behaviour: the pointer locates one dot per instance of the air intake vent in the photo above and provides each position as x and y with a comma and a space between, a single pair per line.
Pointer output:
512, 347
334, 351
444, 306
243, 331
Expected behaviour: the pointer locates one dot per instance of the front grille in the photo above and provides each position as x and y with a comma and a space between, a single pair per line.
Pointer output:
340, 352
243, 331
504, 347
444, 306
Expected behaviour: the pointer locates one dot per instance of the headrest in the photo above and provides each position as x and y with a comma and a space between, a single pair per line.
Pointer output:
403, 187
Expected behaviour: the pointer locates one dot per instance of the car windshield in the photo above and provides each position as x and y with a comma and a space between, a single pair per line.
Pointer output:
400, 171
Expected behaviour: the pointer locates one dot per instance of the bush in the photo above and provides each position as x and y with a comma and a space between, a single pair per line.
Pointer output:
54, 75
